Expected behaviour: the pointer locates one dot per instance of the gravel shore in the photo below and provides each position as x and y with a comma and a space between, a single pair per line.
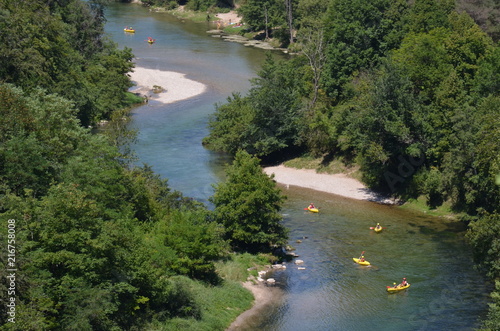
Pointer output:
338, 184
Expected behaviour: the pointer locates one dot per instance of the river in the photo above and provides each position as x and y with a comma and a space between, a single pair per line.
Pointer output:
331, 292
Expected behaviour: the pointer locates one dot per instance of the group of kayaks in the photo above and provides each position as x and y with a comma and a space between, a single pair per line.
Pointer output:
132, 30
391, 289
361, 260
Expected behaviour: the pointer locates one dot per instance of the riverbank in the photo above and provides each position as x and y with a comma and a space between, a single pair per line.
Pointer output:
264, 297
339, 184
164, 86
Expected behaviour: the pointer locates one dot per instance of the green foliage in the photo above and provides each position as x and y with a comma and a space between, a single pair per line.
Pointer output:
485, 13
484, 235
487, 79
426, 15
229, 125
60, 47
309, 13
262, 14
236, 266
218, 305
99, 244
192, 243
39, 132
493, 320
384, 127
269, 119
361, 33
248, 205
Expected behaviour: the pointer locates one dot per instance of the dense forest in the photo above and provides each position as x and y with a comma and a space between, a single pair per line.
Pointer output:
408, 91
91, 242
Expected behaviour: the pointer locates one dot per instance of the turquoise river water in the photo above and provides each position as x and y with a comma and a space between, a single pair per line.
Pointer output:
331, 293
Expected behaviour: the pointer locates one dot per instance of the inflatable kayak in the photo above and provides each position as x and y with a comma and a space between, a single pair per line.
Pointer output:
129, 30
377, 229
360, 262
398, 288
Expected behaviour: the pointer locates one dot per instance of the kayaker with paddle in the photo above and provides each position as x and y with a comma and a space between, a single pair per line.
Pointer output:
404, 282
311, 206
362, 257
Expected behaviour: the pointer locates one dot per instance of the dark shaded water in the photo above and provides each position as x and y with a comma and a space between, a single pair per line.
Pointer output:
331, 293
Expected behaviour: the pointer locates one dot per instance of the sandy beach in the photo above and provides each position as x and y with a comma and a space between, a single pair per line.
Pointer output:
229, 18
176, 86
338, 184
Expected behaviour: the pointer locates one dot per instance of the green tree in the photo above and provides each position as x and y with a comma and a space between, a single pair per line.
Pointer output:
426, 15
263, 14
248, 204
191, 242
270, 119
310, 13
484, 235
59, 46
276, 97
229, 125
39, 133
386, 129
361, 33
474, 159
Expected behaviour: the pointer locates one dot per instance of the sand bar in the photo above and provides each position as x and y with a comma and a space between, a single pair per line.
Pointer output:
339, 184
176, 86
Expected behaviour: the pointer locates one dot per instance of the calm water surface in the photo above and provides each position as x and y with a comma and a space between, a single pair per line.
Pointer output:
331, 293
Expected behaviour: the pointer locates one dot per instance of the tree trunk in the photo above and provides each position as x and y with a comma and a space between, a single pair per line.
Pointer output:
289, 16
267, 22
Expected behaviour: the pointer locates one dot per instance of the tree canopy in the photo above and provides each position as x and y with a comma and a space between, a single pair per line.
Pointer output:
248, 204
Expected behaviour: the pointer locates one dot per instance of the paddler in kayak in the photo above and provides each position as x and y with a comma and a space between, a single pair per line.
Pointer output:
311, 206
404, 282
362, 258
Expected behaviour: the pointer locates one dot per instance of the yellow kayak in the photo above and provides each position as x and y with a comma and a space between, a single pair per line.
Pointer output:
392, 289
377, 229
313, 210
360, 262
129, 30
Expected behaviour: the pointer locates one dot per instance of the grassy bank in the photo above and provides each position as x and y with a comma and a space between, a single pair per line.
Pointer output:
220, 304
420, 205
